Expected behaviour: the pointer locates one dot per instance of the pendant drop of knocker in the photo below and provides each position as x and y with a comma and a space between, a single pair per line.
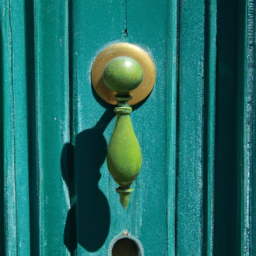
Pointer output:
118, 72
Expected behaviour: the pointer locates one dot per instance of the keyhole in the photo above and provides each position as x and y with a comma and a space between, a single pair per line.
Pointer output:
125, 245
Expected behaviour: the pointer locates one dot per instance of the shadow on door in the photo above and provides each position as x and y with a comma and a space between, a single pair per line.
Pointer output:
88, 220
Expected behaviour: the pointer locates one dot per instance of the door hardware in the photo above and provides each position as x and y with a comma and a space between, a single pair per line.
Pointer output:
123, 73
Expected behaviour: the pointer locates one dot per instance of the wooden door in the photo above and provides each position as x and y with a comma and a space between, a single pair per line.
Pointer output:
195, 194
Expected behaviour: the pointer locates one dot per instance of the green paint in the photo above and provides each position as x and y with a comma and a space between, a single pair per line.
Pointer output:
124, 156
124, 196
123, 74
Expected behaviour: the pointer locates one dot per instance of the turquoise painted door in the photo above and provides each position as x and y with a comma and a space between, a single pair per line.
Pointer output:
195, 194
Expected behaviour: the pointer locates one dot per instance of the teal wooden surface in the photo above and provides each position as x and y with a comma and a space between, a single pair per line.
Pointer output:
210, 60
190, 134
19, 122
171, 119
15, 141
51, 124
87, 113
151, 132
251, 11
35, 97
248, 166
252, 114
195, 194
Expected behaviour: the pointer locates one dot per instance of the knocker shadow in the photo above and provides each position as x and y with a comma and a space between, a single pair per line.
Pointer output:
88, 220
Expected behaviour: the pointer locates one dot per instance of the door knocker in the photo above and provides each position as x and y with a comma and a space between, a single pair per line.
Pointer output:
123, 74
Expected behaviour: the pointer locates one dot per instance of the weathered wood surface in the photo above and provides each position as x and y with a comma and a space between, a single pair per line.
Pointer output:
195, 194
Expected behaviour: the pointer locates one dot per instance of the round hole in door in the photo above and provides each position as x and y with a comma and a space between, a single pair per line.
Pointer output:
126, 246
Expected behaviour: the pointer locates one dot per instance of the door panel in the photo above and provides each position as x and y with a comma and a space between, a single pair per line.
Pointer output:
190, 132
98, 207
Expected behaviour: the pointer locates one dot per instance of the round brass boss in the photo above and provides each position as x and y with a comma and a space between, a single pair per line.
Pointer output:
129, 50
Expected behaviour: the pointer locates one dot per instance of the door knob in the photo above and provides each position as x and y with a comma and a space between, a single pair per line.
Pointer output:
122, 74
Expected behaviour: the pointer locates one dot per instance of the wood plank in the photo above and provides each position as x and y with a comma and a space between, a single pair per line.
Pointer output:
210, 121
8, 135
171, 117
15, 143
51, 124
94, 26
251, 82
19, 76
2, 233
190, 129
251, 79
248, 168
147, 27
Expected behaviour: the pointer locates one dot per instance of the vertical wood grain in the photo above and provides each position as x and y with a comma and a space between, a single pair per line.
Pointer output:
190, 129
15, 142
171, 117
51, 122
8, 144
2, 233
252, 86
247, 198
252, 26
209, 122
18, 28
